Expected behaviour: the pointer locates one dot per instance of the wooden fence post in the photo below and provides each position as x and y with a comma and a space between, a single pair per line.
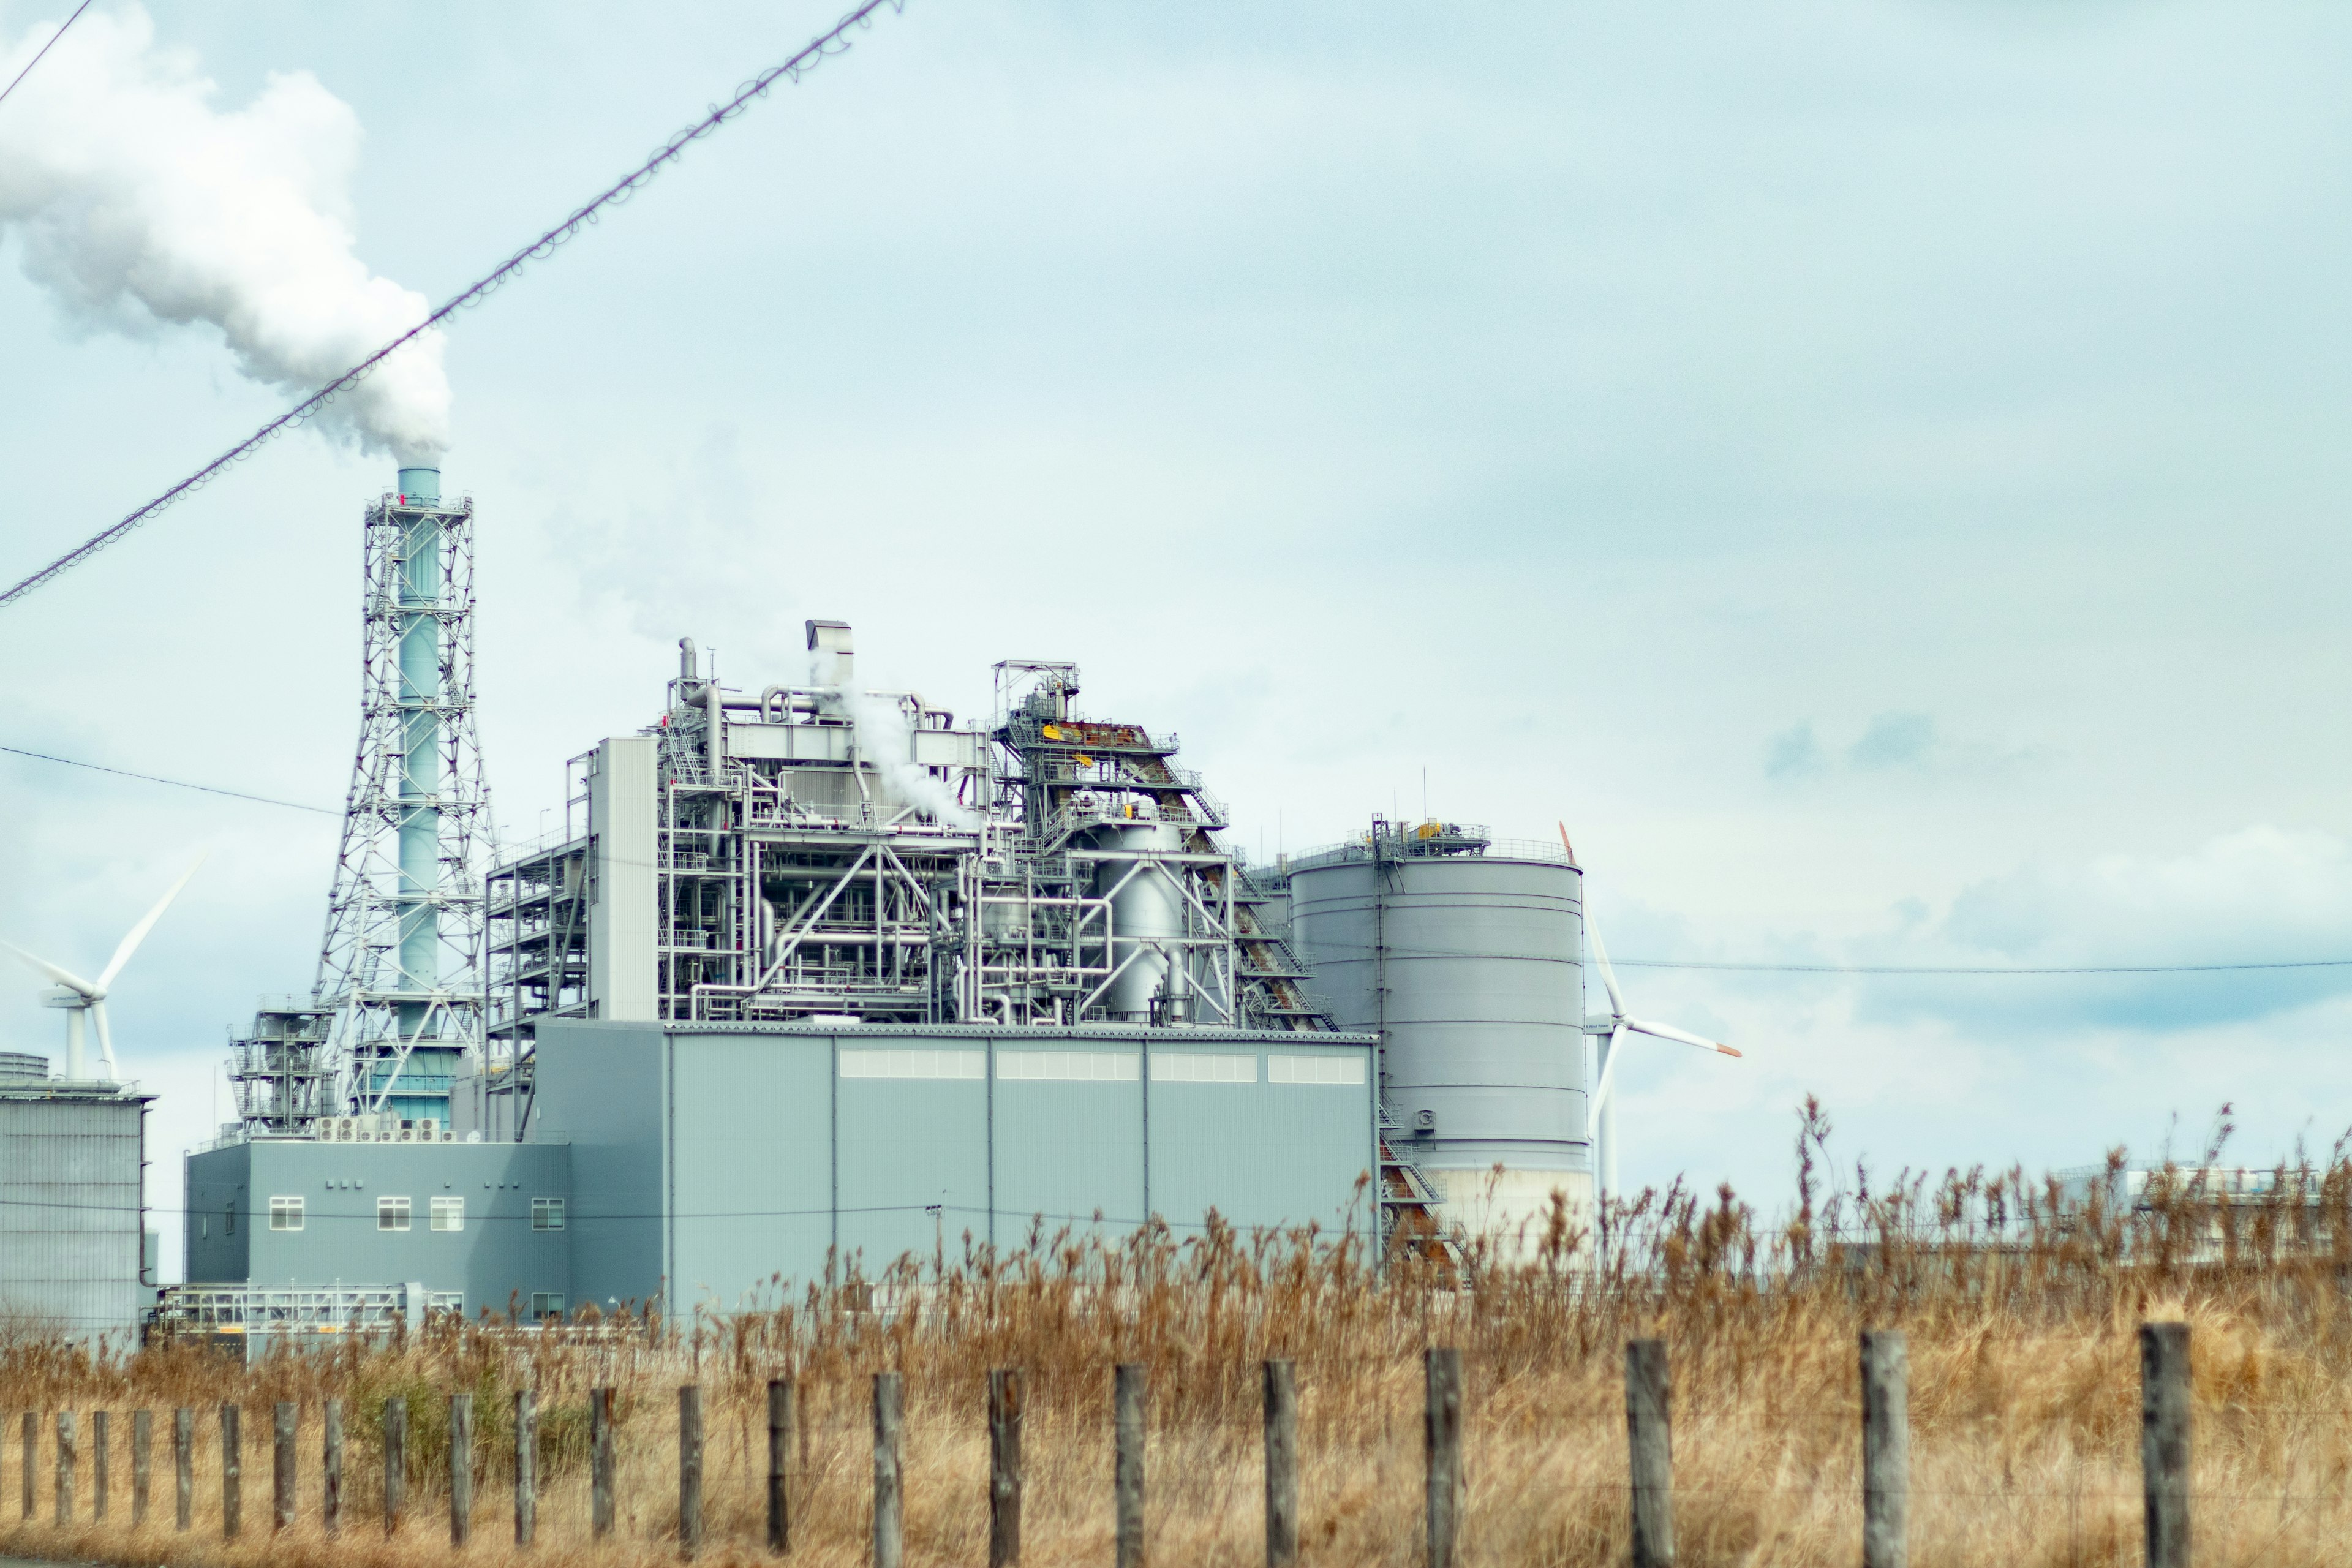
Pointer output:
97, 1463
461, 1469
1885, 1451
183, 1465
1004, 1473
2164, 1440
889, 1419
526, 1456
281, 1491
690, 1470
1650, 1440
331, 1466
395, 1460
1127, 1465
1281, 1465
32, 1458
780, 1448
600, 1462
65, 1466
99, 1476
232, 1472
143, 1441
1442, 1429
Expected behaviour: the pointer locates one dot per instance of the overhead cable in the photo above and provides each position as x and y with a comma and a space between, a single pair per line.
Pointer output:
1403, 952
833, 42
45, 48
1400, 951
176, 784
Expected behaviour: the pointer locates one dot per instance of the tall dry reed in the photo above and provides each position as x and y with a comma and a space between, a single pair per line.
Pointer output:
2019, 1299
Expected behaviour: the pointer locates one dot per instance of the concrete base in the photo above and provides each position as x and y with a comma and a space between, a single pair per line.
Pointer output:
1512, 1211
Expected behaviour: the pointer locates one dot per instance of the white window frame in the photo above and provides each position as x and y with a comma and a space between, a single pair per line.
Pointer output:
1204, 1067
546, 1304
448, 1211
546, 1213
393, 1213
1069, 1066
861, 1062
1343, 1072
285, 1209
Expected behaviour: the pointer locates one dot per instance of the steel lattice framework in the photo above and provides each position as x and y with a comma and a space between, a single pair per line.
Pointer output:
402, 961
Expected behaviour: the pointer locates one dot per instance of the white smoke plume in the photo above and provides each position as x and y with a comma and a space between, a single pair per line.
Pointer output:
138, 201
886, 740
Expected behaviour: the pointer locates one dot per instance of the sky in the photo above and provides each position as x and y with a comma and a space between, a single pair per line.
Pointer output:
1872, 471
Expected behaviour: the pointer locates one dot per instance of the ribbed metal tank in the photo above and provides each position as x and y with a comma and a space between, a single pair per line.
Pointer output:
71, 1230
1466, 957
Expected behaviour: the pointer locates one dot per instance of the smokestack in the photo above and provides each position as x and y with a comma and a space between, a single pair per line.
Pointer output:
420, 762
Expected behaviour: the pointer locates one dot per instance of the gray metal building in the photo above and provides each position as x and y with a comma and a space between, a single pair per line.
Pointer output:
696, 1163
469, 1219
73, 1252
717, 1156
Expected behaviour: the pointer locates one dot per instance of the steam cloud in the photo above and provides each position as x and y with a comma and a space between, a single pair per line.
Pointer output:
886, 740
141, 202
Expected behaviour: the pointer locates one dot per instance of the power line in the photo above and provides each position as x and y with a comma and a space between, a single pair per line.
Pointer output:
1991, 968
1402, 952
52, 44
834, 42
176, 784
1397, 951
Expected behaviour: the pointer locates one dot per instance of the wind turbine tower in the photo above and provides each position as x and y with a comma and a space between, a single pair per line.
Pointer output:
401, 966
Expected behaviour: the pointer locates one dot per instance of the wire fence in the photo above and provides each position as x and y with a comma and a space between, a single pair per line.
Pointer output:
739, 1461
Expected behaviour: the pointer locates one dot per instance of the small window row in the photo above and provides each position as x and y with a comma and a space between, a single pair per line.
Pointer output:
393, 1213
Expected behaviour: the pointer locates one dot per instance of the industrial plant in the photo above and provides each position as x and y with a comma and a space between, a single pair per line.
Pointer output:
813, 976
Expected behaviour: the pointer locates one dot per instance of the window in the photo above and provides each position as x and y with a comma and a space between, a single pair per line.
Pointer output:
230, 1214
286, 1213
547, 1304
449, 1214
1315, 1069
1094, 1067
913, 1064
547, 1214
1202, 1067
391, 1213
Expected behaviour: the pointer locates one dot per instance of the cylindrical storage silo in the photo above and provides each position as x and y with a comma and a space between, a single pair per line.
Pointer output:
1468, 962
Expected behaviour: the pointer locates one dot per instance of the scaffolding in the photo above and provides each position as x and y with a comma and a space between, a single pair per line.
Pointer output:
817, 852
400, 965
279, 1070
249, 1321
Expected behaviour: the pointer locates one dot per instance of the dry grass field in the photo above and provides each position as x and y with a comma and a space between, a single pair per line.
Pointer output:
2019, 1305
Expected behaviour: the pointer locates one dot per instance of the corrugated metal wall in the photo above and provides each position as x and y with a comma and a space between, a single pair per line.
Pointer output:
70, 1228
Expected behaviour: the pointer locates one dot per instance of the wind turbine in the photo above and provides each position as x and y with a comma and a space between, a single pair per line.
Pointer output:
78, 996
1612, 1026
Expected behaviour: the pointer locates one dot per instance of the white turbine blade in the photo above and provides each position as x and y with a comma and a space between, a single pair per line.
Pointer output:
65, 977
139, 933
1601, 958
1608, 1072
105, 1041
1668, 1032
